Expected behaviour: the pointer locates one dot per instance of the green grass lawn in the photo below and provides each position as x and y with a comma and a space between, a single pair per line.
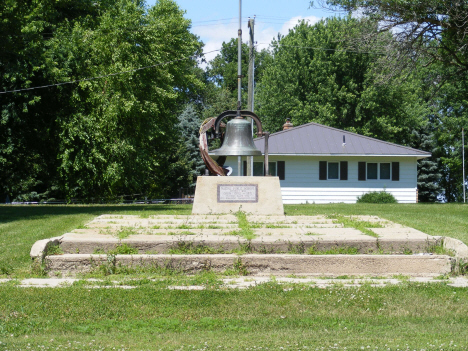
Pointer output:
151, 317
22, 226
268, 316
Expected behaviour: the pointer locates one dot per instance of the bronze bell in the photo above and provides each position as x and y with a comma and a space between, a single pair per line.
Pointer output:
238, 140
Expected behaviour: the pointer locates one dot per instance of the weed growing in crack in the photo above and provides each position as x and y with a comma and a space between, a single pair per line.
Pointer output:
244, 247
438, 248
185, 232
238, 268
407, 251
297, 249
347, 250
459, 267
125, 232
244, 225
349, 222
39, 268
273, 226
209, 226
110, 266
53, 250
262, 249
123, 249
189, 248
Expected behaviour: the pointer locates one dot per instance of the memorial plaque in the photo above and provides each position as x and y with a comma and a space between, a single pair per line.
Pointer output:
238, 193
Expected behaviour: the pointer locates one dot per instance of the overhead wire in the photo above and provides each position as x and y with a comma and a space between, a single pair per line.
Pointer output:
181, 59
194, 24
50, 35
104, 75
323, 49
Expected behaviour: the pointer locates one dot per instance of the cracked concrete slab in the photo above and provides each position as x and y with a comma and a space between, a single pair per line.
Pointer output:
155, 236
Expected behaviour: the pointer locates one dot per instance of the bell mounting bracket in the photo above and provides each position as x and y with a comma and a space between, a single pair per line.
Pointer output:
244, 113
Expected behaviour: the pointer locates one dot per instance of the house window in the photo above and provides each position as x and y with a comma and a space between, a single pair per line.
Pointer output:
372, 171
276, 169
385, 171
258, 169
333, 170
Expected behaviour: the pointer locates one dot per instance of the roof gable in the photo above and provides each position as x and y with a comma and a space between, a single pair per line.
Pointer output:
317, 139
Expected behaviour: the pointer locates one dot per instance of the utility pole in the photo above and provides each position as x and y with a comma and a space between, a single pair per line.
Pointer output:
251, 65
239, 78
250, 91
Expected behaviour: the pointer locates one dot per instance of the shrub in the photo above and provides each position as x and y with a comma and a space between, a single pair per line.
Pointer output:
377, 197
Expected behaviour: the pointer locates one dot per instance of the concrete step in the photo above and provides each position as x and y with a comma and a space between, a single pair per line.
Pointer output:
88, 243
282, 245
281, 265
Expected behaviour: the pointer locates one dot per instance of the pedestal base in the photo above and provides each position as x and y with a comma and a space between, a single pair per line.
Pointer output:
256, 195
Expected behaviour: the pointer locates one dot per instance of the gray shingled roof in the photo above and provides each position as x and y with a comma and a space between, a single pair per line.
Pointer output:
317, 139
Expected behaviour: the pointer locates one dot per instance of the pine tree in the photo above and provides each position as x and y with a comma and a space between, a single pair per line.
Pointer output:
429, 176
189, 126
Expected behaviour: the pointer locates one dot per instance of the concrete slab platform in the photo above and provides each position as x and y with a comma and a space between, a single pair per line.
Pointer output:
295, 236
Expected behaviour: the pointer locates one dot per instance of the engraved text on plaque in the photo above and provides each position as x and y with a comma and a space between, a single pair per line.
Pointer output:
237, 193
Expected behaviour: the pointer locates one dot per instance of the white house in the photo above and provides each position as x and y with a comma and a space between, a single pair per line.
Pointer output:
320, 164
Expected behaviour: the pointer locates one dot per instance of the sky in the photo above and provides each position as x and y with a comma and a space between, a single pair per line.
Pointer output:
217, 21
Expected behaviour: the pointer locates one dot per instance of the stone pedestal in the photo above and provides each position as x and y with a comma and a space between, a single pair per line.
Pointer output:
256, 195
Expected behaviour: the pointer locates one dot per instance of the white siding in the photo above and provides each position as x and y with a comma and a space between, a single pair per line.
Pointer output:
302, 182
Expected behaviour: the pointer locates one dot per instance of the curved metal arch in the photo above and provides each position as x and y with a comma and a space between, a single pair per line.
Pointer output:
234, 114
215, 167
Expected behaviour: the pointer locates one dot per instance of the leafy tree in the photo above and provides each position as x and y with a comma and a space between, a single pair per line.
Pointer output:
431, 33
28, 147
434, 29
223, 69
449, 117
313, 78
107, 136
218, 100
189, 126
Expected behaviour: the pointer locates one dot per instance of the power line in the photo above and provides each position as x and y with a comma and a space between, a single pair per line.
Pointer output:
50, 35
217, 20
323, 49
204, 23
104, 75
181, 59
